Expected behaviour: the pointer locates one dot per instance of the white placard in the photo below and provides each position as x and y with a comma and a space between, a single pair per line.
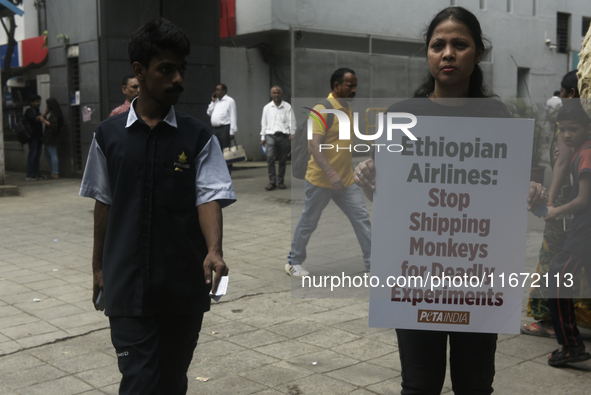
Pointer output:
453, 204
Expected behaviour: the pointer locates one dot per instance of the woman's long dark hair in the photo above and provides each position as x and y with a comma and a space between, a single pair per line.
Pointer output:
54, 107
462, 15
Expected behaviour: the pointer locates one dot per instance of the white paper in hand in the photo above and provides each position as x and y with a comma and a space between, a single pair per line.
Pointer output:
222, 288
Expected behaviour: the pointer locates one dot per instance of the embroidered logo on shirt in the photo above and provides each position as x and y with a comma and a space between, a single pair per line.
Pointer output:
181, 164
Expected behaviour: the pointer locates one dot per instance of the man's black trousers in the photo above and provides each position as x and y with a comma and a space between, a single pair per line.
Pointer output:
154, 353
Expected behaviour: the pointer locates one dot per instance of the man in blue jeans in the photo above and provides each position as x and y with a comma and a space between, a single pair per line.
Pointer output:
33, 118
330, 177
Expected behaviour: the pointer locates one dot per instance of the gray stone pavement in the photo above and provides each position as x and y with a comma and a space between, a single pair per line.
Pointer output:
257, 340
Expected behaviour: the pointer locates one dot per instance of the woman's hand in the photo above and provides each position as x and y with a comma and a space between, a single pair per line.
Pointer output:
538, 196
364, 175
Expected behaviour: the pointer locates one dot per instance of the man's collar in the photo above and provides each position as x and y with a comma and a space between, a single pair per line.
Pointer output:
278, 106
337, 104
132, 117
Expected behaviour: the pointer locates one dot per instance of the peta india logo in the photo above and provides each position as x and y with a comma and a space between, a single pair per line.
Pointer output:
345, 129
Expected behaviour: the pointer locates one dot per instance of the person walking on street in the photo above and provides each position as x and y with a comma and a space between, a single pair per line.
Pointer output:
160, 181
33, 118
330, 177
277, 128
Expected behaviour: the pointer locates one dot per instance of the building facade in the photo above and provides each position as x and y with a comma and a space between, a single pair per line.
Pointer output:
297, 45
87, 43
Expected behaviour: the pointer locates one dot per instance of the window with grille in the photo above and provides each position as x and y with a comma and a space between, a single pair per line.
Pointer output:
73, 86
562, 27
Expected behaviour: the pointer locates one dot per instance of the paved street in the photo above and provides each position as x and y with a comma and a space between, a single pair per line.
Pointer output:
257, 340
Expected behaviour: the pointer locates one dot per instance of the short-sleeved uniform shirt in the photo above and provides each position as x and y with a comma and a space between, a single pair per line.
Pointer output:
154, 179
339, 158
579, 241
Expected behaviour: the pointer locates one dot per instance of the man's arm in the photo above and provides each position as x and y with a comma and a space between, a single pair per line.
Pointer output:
30, 116
334, 178
292, 123
211, 107
101, 218
210, 221
264, 125
233, 118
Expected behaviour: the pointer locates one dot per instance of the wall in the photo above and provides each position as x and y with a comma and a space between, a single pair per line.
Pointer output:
517, 36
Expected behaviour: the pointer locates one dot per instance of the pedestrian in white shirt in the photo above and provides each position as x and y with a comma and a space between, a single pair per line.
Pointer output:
554, 102
277, 128
222, 111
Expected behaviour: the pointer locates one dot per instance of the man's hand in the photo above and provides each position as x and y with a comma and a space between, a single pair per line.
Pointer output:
537, 195
291, 136
231, 137
97, 286
365, 175
215, 263
262, 142
336, 183
210, 222
213, 96
101, 218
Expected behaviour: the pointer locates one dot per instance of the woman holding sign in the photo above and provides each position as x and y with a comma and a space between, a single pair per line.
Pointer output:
455, 47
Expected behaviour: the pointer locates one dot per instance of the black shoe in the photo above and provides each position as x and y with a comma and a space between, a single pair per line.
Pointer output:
567, 355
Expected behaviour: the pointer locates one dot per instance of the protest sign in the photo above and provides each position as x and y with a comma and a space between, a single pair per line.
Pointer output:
450, 225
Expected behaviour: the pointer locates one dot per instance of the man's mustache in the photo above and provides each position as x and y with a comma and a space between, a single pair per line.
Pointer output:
175, 88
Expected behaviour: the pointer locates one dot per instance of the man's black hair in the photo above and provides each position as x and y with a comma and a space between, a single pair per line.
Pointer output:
572, 110
34, 98
155, 37
224, 87
570, 82
339, 76
556, 93
125, 79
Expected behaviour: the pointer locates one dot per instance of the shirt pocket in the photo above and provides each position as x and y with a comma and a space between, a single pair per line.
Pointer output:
175, 190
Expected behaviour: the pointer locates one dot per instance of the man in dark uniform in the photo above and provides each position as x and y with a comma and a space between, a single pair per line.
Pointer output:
33, 118
160, 180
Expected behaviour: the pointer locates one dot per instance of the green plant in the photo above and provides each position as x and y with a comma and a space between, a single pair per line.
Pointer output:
64, 38
543, 118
